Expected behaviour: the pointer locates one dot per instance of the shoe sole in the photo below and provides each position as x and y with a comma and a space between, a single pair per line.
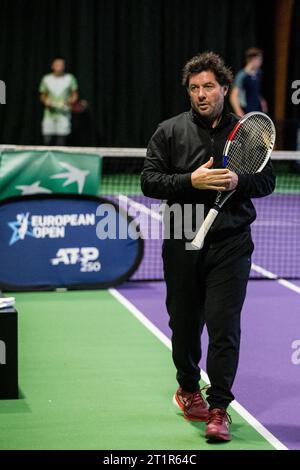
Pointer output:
178, 404
218, 438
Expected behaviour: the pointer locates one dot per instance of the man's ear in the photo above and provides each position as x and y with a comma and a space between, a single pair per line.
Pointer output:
225, 90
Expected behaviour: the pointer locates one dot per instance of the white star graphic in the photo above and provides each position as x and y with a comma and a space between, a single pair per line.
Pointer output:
33, 188
73, 175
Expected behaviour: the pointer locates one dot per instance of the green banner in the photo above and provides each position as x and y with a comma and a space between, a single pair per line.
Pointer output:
45, 172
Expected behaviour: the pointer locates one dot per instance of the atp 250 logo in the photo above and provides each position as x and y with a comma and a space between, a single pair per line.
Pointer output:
87, 257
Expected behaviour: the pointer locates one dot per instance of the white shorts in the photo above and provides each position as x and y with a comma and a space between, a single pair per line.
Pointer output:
58, 125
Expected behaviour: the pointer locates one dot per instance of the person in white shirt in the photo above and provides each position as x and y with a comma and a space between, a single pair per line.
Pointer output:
58, 92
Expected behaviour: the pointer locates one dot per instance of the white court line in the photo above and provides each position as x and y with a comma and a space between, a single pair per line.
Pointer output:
274, 277
165, 340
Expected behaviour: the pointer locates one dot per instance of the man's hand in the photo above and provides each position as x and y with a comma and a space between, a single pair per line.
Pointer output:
264, 105
218, 179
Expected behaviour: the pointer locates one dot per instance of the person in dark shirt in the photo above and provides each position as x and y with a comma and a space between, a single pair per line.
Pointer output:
246, 93
184, 166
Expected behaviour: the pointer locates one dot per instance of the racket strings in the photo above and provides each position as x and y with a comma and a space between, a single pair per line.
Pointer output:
252, 145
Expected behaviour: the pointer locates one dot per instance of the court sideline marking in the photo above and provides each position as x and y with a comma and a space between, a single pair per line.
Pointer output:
165, 340
283, 282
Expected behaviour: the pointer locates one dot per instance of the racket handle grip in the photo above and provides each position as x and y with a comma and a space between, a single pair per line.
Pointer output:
201, 234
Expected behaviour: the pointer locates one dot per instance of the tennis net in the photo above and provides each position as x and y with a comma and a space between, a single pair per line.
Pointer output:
275, 231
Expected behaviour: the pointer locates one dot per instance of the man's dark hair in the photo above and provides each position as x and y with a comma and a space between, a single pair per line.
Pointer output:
207, 61
253, 52
58, 57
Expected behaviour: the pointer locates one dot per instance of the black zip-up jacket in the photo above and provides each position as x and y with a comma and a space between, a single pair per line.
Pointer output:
178, 147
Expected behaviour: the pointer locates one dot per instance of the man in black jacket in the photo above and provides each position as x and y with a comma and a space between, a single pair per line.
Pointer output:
208, 286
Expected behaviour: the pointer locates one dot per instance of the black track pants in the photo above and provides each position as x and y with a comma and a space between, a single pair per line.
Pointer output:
207, 286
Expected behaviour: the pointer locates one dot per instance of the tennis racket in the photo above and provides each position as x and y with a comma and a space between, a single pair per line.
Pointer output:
247, 151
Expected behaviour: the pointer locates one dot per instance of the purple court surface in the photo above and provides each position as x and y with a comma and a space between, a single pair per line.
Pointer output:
268, 378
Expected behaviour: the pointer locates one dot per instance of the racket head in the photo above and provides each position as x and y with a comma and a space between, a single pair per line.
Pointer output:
250, 144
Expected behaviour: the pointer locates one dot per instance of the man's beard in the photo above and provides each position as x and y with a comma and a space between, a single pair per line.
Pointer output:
208, 119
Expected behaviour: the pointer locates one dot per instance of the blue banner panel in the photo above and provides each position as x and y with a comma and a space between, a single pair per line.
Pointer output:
51, 241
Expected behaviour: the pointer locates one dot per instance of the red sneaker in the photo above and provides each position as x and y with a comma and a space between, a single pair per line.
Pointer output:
193, 405
217, 428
